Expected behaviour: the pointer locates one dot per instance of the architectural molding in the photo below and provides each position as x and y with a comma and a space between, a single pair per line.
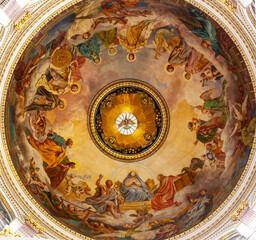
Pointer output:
12, 47
239, 211
7, 232
22, 21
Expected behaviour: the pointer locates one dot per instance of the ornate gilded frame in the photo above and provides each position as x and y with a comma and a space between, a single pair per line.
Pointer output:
218, 223
164, 115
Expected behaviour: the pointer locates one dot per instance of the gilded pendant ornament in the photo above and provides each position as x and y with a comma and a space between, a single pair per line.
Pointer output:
22, 22
128, 120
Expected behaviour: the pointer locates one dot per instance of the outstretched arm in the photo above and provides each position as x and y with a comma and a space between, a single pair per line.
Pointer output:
207, 94
191, 199
99, 180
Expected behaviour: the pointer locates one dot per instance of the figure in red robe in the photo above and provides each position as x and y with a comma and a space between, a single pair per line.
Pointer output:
164, 198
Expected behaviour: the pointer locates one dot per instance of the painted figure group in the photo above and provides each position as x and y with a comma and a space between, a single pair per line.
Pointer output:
130, 27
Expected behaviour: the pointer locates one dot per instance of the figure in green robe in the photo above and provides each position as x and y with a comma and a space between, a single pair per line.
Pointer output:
247, 133
213, 104
109, 38
90, 49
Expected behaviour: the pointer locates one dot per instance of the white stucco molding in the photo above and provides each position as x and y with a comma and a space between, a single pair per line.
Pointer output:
218, 224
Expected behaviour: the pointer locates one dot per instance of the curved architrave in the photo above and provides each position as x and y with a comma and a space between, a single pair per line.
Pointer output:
246, 48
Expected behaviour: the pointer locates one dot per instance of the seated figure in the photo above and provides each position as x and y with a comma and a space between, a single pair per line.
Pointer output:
134, 189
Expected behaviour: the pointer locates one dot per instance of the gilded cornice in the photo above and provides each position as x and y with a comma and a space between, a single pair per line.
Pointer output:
230, 235
250, 15
31, 221
22, 21
16, 211
2, 30
9, 58
7, 206
230, 6
246, 18
239, 211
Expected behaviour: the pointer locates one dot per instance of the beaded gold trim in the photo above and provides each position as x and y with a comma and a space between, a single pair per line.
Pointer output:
248, 45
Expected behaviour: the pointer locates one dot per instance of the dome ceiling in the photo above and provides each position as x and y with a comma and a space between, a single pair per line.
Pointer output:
130, 119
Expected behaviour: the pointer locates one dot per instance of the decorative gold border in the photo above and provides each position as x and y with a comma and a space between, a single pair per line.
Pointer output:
7, 206
128, 82
2, 30
229, 5
247, 43
30, 220
239, 211
22, 21
251, 17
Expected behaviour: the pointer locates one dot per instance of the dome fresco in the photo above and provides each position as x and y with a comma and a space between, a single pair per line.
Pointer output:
130, 119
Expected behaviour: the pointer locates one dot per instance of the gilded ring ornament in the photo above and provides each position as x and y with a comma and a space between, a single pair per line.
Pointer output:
61, 58
220, 211
128, 120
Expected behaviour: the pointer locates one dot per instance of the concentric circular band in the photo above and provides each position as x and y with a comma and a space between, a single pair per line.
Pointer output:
103, 106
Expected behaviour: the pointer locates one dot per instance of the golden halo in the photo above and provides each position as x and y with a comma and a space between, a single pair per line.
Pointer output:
127, 57
165, 69
114, 53
137, 167
98, 62
184, 78
65, 104
72, 140
61, 58
77, 164
78, 86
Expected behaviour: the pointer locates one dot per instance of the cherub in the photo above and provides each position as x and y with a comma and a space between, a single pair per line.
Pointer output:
209, 75
77, 186
239, 113
99, 228
121, 8
80, 214
38, 124
142, 216
32, 177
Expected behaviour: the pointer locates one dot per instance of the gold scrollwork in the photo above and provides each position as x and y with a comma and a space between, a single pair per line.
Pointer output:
7, 232
239, 211
231, 7
22, 21
34, 224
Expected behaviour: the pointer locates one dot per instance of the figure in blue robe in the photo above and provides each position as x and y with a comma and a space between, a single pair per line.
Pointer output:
208, 33
202, 206
134, 189
90, 49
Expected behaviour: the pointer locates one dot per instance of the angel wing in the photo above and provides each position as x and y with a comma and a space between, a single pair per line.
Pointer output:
190, 22
130, 122
121, 124
244, 104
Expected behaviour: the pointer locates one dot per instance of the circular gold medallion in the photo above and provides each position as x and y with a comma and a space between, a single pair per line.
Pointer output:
61, 58
128, 120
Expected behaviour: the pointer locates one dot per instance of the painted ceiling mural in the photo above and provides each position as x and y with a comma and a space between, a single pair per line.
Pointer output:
130, 119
